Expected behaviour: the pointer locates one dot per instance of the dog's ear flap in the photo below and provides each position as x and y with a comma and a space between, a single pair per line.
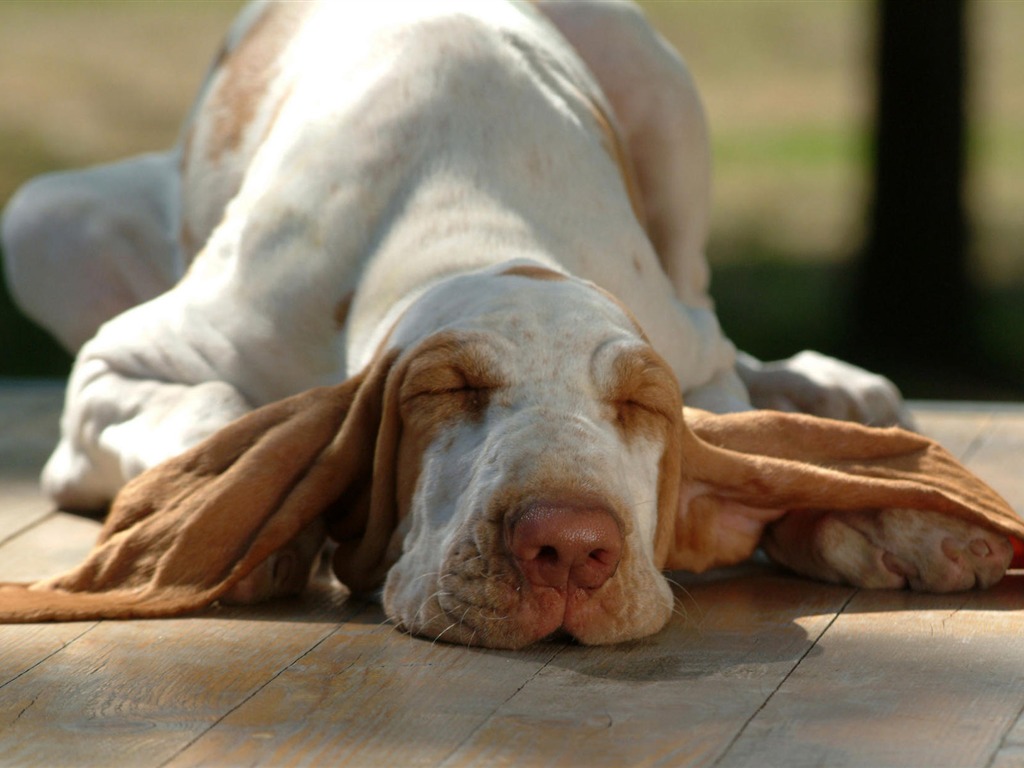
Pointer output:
179, 536
740, 471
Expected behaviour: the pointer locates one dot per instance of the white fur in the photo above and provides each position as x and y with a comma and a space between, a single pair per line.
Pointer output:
400, 156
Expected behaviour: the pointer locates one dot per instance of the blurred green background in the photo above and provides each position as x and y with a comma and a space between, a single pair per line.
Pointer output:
789, 90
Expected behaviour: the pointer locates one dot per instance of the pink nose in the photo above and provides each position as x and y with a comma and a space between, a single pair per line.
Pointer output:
565, 546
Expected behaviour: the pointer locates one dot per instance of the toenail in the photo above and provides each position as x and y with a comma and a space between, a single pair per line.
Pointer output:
981, 548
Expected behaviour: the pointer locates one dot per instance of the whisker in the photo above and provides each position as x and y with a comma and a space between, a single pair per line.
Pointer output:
439, 634
427, 574
678, 606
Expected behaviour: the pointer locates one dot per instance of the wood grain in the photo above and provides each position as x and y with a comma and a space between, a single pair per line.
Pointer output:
899, 679
675, 699
55, 543
757, 667
137, 692
369, 696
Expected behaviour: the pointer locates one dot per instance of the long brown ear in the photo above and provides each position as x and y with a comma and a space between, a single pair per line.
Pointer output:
179, 536
745, 469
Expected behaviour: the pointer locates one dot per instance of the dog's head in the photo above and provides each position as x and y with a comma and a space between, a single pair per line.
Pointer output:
539, 448
514, 463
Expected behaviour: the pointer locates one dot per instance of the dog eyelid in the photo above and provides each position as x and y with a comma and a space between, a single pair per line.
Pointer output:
643, 383
445, 379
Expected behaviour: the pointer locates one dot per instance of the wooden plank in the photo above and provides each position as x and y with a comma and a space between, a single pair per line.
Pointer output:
902, 678
633, 710
757, 668
997, 460
957, 431
369, 695
1011, 751
996, 457
899, 679
21, 507
57, 543
676, 699
138, 692
23, 646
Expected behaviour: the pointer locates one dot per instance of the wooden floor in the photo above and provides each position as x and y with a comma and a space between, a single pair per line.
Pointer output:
758, 668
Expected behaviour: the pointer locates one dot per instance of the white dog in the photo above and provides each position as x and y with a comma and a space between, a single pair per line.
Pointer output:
496, 212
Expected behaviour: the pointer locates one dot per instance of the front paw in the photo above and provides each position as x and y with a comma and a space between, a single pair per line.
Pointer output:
286, 572
891, 549
813, 383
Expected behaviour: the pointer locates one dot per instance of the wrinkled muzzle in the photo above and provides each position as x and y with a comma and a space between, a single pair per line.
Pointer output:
552, 533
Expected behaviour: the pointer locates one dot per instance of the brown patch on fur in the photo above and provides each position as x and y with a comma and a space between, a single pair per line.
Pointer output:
534, 273
187, 241
613, 144
646, 396
444, 379
447, 378
342, 308
247, 71
644, 393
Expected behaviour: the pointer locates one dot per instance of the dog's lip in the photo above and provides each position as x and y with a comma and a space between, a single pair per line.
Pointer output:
488, 625
514, 613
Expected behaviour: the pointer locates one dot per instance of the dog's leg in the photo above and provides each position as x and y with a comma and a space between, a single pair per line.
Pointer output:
284, 573
659, 112
116, 425
661, 119
83, 246
813, 383
889, 549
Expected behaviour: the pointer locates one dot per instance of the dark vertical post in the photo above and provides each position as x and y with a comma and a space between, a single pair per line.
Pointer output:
913, 291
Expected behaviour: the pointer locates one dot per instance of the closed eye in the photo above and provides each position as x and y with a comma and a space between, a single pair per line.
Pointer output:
437, 404
643, 392
645, 407
445, 383
451, 375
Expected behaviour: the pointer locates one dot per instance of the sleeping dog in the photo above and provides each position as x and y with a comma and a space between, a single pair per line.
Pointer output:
430, 278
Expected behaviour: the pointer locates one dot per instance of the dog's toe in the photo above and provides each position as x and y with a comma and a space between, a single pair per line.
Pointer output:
924, 551
285, 572
976, 559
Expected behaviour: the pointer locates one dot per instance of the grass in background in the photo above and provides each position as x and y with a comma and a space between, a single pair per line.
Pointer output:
788, 91
85, 82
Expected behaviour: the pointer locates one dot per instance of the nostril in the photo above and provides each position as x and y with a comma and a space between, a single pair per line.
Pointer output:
604, 557
547, 554
565, 546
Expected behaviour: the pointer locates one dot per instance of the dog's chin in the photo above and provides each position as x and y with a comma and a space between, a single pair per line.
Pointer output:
515, 616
